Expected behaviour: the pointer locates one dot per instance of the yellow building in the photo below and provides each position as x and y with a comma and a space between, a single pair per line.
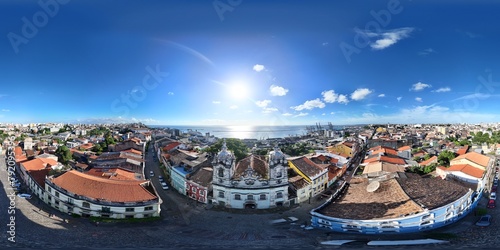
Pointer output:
343, 149
315, 175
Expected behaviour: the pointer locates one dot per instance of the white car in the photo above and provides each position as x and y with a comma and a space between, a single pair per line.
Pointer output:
164, 185
26, 196
151, 173
493, 196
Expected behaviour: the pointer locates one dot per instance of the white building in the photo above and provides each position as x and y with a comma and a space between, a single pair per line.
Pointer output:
86, 195
254, 182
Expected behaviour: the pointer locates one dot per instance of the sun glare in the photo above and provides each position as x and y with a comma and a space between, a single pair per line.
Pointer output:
238, 90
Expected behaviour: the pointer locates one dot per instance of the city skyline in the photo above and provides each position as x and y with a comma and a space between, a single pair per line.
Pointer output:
250, 63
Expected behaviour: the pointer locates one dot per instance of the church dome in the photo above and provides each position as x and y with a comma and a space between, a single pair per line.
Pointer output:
224, 155
276, 155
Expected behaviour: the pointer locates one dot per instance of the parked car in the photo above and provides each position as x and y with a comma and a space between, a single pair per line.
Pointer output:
26, 196
491, 204
160, 178
494, 189
493, 196
164, 185
151, 173
484, 221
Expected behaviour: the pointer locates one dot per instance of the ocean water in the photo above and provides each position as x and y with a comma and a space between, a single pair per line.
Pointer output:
244, 132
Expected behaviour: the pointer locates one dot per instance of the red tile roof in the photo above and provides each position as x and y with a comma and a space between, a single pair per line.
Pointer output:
171, 146
463, 150
429, 161
103, 189
306, 166
477, 158
38, 164
466, 169
404, 148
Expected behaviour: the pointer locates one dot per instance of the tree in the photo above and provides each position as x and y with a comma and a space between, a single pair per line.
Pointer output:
64, 154
445, 157
238, 148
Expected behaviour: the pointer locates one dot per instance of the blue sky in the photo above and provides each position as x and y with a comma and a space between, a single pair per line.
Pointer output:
250, 62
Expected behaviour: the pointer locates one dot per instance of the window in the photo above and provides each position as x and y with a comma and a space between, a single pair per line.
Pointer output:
84, 204
50, 189
279, 173
221, 194
129, 209
106, 209
70, 201
250, 197
49, 198
193, 189
150, 208
202, 192
279, 195
57, 202
262, 197
57, 194
237, 197
221, 172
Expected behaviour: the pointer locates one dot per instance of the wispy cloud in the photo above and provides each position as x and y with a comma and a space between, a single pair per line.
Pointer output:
418, 99
473, 96
233, 107
360, 94
468, 34
399, 98
387, 38
5, 110
324, 44
286, 114
301, 114
381, 95
445, 89
263, 103
269, 110
426, 52
316, 103
170, 93
258, 67
419, 86
277, 90
216, 102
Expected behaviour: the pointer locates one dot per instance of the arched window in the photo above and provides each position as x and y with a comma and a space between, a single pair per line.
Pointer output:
221, 172
279, 173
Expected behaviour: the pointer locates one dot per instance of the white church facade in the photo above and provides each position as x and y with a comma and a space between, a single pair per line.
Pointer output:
254, 182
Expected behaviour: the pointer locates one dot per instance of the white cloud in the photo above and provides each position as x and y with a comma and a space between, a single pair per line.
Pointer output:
301, 114
258, 67
5, 110
360, 94
170, 93
233, 107
418, 99
329, 96
316, 103
381, 95
277, 90
324, 44
287, 114
216, 102
332, 113
263, 103
387, 38
426, 52
399, 98
445, 89
473, 96
419, 86
269, 110
343, 99
323, 114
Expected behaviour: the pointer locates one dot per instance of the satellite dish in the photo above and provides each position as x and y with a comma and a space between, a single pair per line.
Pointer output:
373, 186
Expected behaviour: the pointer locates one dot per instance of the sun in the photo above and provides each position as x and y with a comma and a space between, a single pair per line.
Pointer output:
238, 90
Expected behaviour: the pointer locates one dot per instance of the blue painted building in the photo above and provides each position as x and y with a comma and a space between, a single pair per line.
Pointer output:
405, 203
178, 178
